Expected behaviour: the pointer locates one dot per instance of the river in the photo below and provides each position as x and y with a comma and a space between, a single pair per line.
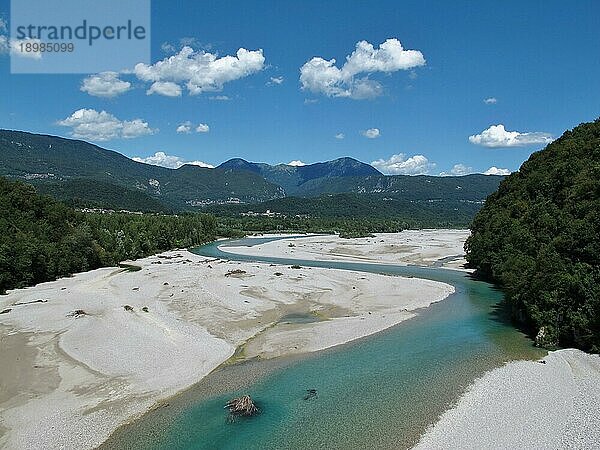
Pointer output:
382, 391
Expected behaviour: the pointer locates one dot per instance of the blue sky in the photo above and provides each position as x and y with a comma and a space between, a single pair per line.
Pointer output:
535, 61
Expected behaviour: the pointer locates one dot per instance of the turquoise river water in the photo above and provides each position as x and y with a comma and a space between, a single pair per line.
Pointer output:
382, 391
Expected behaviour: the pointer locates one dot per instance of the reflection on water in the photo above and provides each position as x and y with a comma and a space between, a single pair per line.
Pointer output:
379, 392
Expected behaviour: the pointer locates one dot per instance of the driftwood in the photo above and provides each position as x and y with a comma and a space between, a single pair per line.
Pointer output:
241, 406
31, 302
235, 272
169, 257
207, 261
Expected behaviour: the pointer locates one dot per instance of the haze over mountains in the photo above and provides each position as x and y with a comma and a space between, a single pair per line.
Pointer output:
88, 175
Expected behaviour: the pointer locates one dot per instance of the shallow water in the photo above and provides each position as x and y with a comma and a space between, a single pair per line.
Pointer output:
299, 318
380, 392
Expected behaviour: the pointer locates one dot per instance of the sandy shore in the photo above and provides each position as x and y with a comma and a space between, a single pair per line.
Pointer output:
76, 363
527, 405
440, 248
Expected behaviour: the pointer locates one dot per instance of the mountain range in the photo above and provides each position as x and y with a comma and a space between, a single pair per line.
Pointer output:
293, 179
88, 175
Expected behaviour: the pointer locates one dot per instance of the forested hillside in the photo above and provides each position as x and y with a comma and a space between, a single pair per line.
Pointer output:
447, 213
474, 187
539, 237
82, 193
50, 160
43, 239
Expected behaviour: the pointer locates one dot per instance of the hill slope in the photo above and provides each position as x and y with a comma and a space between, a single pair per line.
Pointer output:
539, 236
40, 159
474, 187
90, 193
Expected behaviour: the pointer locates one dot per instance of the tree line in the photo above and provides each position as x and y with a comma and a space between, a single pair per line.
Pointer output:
43, 239
538, 236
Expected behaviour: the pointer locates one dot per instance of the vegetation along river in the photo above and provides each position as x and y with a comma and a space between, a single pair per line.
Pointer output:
378, 392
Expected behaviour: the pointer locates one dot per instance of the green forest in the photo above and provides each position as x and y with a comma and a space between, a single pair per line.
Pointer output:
43, 239
539, 238
371, 210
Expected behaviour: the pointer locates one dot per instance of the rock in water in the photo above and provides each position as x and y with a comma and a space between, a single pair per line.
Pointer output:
242, 406
311, 393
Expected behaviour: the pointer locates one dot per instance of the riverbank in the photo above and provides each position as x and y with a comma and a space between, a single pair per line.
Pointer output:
552, 403
83, 355
428, 248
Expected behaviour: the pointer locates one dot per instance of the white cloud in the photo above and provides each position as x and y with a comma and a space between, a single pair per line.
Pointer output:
169, 161
4, 41
199, 164
16, 47
457, 171
166, 88
13, 46
102, 126
202, 128
371, 133
296, 163
496, 171
190, 42
490, 100
167, 47
135, 128
4, 46
105, 84
221, 98
170, 47
340, 136
310, 101
498, 136
185, 127
321, 76
275, 80
461, 169
200, 71
401, 165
